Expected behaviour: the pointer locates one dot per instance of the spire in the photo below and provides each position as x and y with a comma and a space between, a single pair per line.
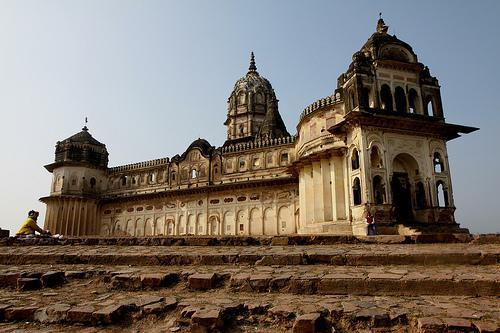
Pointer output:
252, 67
85, 128
381, 27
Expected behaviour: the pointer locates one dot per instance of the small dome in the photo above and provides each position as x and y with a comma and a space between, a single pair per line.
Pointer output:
381, 45
82, 137
82, 148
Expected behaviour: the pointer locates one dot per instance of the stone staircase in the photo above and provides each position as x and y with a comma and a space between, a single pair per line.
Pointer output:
276, 284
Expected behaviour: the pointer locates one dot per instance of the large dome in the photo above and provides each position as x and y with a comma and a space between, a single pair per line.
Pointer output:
251, 102
253, 82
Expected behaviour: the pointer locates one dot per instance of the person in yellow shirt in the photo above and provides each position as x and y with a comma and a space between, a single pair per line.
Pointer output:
29, 226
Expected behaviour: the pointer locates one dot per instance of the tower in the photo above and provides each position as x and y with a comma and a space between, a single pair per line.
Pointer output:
253, 109
79, 175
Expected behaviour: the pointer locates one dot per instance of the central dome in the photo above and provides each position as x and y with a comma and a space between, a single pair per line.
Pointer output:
253, 82
251, 100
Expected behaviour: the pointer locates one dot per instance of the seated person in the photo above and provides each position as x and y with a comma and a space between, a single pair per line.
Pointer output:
29, 226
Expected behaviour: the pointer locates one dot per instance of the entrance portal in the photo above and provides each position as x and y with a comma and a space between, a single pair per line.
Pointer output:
405, 171
401, 197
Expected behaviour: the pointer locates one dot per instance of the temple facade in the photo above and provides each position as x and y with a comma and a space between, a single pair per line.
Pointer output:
377, 144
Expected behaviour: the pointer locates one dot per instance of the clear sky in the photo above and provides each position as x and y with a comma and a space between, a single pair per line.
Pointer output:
152, 76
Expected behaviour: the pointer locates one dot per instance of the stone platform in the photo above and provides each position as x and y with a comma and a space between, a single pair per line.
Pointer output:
376, 284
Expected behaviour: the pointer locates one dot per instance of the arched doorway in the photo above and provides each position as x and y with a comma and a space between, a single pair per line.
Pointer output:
405, 168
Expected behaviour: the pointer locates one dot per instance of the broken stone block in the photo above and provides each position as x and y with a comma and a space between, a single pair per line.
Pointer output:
126, 282
282, 312
430, 324
75, 274
279, 282
307, 323
240, 282
52, 279
23, 313
147, 300
112, 313
484, 326
28, 284
208, 318
458, 324
3, 307
260, 282
80, 314
376, 316
158, 280
9, 279
202, 281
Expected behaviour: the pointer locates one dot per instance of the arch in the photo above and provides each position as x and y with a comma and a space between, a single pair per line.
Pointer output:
139, 227
191, 225
356, 191
354, 159
375, 157
148, 227
229, 227
413, 101
352, 99
213, 225
441, 194
438, 163
172, 176
405, 169
378, 190
92, 182
400, 98
182, 225
420, 195
104, 231
159, 226
386, 98
365, 97
170, 225
269, 222
429, 106
201, 223
194, 173
124, 180
284, 220
255, 222
130, 230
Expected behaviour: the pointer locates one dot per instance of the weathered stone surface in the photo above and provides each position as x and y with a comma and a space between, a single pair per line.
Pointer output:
485, 326
126, 282
28, 283
80, 314
22, 313
158, 280
3, 307
307, 323
75, 274
282, 312
112, 314
377, 317
260, 282
430, 324
52, 279
9, 279
202, 281
209, 318
458, 324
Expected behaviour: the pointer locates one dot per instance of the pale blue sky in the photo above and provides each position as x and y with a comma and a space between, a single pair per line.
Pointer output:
152, 76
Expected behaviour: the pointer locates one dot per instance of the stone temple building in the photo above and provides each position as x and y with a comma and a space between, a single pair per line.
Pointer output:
377, 144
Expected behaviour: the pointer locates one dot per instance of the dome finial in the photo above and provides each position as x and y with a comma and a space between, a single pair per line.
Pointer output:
252, 67
85, 128
381, 27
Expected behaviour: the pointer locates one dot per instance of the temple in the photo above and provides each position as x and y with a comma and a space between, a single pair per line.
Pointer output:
377, 144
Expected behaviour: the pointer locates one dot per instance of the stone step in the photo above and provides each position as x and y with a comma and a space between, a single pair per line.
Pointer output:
314, 239
318, 279
213, 311
339, 255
